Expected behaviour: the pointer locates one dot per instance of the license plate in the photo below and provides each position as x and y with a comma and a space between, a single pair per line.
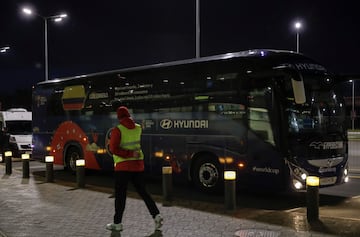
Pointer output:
328, 180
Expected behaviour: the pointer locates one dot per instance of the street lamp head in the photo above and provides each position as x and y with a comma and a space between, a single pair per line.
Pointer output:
4, 49
55, 18
27, 11
297, 25
58, 18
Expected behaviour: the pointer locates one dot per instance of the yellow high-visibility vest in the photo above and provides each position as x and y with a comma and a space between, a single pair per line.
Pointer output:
130, 140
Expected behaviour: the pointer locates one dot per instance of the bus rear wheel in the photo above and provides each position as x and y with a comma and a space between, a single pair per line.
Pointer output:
72, 155
206, 174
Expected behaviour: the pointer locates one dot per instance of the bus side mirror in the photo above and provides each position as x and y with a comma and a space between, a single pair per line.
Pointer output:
297, 83
298, 90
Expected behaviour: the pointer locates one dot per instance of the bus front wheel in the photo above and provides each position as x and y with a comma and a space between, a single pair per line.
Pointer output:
72, 155
206, 174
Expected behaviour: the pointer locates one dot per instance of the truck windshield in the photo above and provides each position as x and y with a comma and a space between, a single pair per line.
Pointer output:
16, 127
323, 112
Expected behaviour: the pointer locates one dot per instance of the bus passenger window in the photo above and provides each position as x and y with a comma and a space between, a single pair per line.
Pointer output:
234, 111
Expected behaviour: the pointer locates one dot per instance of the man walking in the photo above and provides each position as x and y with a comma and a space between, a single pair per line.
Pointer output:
129, 166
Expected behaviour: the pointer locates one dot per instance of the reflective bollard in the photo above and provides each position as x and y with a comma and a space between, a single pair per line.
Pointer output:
312, 198
49, 160
26, 165
80, 173
167, 185
8, 162
230, 190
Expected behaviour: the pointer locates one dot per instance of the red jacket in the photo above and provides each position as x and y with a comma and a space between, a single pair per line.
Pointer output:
115, 139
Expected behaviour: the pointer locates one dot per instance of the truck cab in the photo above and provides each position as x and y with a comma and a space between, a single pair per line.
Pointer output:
15, 132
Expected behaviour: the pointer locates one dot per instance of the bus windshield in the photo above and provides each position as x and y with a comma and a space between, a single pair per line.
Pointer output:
323, 112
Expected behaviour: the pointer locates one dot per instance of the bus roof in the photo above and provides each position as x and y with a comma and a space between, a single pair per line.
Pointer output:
242, 54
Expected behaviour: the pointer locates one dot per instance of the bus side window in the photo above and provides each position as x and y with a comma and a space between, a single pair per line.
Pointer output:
54, 105
258, 115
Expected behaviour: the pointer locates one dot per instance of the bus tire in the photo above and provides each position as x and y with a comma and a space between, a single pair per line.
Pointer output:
207, 174
72, 154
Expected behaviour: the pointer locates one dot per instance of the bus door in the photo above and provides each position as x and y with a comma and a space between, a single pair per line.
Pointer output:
265, 162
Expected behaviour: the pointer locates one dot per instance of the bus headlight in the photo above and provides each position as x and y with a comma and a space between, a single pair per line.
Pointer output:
300, 173
346, 175
297, 184
298, 176
303, 176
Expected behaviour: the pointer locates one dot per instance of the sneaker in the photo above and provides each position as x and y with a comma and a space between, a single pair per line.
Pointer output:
114, 227
158, 221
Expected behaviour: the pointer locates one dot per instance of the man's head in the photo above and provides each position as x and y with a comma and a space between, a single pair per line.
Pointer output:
122, 112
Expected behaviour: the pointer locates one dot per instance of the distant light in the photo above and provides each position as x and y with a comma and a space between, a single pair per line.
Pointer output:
80, 162
297, 25
167, 170
229, 175
49, 159
27, 11
25, 156
312, 181
4, 49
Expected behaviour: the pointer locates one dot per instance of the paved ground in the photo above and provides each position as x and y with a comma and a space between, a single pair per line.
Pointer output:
31, 207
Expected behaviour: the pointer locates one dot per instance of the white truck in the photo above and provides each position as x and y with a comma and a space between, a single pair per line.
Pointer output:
15, 132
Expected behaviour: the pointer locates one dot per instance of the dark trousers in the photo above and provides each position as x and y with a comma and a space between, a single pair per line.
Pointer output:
122, 179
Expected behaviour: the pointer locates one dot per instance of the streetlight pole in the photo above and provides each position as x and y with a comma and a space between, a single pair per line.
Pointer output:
297, 26
56, 18
353, 105
46, 51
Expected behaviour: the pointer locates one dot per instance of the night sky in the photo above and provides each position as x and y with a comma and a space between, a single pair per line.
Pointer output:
113, 34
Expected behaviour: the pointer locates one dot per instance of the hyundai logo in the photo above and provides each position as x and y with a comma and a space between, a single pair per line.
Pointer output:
166, 123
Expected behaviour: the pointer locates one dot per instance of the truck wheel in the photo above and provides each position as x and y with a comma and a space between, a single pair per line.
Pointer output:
207, 174
72, 155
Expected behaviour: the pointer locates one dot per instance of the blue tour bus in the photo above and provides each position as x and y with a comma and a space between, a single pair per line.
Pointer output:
272, 116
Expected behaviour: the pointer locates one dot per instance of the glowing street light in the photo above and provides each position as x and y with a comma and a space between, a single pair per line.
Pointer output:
297, 26
55, 18
4, 49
